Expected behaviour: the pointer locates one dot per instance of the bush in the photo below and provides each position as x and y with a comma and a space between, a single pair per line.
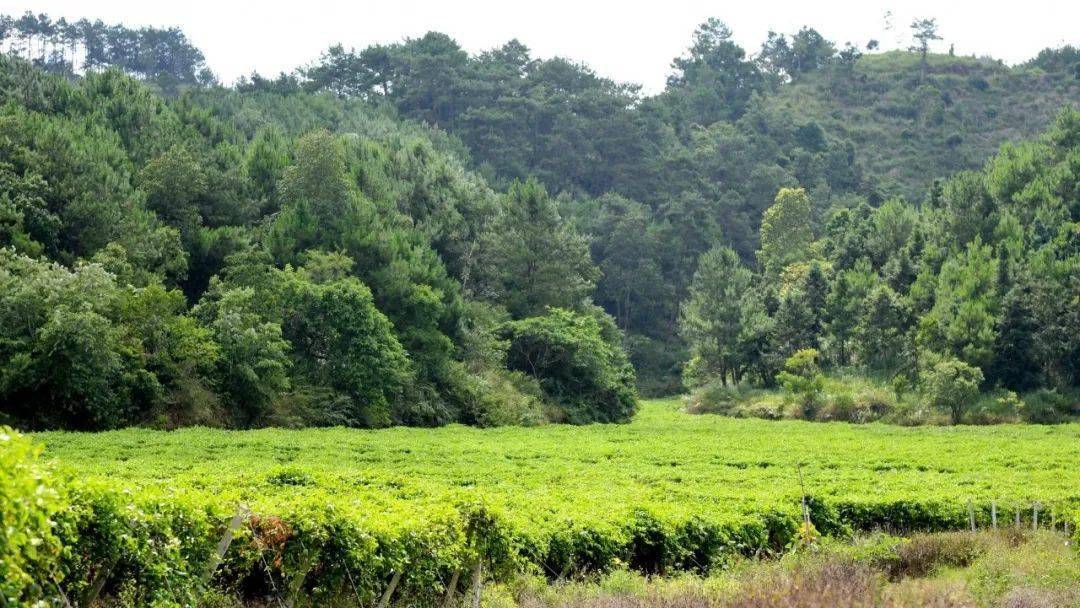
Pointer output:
858, 400
579, 362
507, 398
717, 397
1049, 407
995, 408
28, 544
843, 398
922, 554
802, 378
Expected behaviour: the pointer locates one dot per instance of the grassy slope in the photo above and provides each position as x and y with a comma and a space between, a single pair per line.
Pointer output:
901, 123
674, 464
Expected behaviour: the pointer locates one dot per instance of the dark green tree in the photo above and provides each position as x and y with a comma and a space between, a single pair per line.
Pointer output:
533, 259
711, 318
579, 362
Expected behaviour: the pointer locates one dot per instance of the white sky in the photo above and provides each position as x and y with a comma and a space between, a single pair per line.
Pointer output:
633, 44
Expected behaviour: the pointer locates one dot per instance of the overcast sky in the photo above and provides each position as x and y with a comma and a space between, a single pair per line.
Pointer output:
628, 44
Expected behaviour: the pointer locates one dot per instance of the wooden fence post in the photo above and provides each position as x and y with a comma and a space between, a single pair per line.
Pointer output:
98, 583
1035, 516
993, 513
390, 590
1018, 515
971, 515
452, 588
477, 582
298, 578
223, 545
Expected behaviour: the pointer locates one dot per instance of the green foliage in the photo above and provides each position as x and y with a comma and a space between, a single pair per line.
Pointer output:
80, 350
802, 378
881, 332
29, 541
711, 319
950, 384
715, 80
1014, 365
786, 231
579, 362
1049, 407
175, 185
963, 319
714, 148
533, 260
341, 341
845, 305
151, 191
330, 170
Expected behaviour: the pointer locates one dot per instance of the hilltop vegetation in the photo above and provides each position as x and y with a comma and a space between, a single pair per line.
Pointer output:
910, 127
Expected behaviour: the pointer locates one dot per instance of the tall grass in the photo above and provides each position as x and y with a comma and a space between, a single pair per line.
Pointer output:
953, 570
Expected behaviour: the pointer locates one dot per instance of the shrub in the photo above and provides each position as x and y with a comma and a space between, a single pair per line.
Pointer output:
922, 554
910, 411
856, 399
716, 397
1049, 407
579, 362
995, 408
802, 378
844, 398
768, 407
28, 543
874, 403
506, 398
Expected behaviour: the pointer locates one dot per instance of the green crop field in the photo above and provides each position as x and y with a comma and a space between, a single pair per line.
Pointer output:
668, 491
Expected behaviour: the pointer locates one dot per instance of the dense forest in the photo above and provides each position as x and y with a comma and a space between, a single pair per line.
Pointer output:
410, 234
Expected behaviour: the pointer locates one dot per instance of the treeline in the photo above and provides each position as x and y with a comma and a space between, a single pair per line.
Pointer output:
655, 181
207, 261
163, 57
977, 289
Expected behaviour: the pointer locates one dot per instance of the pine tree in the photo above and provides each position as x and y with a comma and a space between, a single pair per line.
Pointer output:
711, 319
1014, 365
882, 328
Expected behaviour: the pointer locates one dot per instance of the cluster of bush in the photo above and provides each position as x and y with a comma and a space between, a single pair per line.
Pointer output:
947, 392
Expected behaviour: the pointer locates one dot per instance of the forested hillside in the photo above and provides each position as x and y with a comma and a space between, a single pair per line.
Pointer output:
410, 234
653, 181
223, 258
